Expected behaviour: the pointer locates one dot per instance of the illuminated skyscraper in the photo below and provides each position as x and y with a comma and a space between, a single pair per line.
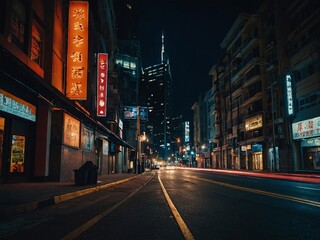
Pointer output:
156, 89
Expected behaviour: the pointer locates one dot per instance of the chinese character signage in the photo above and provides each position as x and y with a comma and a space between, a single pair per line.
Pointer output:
290, 106
77, 58
306, 129
102, 78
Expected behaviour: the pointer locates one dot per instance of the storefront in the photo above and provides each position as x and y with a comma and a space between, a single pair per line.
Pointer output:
252, 156
17, 137
307, 134
311, 153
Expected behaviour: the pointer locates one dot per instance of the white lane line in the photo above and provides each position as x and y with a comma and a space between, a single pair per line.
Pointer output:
308, 188
82, 228
184, 229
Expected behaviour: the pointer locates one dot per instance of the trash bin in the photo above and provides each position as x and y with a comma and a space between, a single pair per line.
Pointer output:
91, 171
80, 177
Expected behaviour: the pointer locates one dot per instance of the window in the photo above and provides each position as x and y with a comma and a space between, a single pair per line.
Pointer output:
308, 101
36, 43
17, 25
25, 31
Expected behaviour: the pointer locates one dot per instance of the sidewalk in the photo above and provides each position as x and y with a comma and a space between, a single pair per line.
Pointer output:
17, 198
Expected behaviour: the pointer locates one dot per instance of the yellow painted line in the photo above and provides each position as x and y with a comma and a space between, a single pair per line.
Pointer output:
271, 194
185, 230
82, 228
68, 196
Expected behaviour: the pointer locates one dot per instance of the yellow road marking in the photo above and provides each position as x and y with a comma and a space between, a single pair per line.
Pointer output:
185, 230
261, 192
82, 228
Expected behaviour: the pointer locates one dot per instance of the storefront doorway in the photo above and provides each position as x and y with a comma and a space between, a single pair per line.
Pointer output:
257, 161
17, 147
312, 158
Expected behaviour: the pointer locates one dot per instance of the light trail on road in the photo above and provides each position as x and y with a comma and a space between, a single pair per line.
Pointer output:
261, 192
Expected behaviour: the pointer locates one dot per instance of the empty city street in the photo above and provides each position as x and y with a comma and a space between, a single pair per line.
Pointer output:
180, 203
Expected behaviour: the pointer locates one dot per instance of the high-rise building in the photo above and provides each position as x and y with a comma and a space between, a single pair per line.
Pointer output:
156, 88
266, 90
128, 66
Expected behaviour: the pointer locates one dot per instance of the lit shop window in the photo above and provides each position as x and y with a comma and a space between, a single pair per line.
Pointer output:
17, 154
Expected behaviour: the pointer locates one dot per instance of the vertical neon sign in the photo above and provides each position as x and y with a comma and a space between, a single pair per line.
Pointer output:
102, 80
77, 61
289, 91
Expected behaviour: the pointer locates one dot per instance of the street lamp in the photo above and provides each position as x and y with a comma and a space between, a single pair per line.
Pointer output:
203, 147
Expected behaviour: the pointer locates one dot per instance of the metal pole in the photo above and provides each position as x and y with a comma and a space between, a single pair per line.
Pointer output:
139, 140
273, 166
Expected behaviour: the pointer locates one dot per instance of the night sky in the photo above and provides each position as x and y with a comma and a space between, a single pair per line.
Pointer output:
193, 32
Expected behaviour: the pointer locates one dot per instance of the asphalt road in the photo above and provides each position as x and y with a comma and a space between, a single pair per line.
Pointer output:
180, 204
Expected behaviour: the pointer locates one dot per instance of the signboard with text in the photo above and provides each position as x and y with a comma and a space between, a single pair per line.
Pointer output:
289, 95
102, 83
16, 106
253, 123
77, 55
306, 129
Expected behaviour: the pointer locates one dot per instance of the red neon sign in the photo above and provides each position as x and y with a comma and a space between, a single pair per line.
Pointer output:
102, 80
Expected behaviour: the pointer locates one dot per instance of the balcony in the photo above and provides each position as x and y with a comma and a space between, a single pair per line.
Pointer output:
250, 99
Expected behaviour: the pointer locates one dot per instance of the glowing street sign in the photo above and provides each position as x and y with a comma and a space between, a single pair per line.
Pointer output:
77, 56
289, 91
186, 132
102, 80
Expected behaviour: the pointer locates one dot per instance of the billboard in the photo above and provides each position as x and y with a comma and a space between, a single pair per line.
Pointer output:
186, 132
131, 112
77, 55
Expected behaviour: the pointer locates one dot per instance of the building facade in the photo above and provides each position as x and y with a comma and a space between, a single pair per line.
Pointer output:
48, 128
260, 94
303, 52
199, 131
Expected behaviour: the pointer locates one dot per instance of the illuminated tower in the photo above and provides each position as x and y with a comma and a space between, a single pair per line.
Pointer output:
156, 87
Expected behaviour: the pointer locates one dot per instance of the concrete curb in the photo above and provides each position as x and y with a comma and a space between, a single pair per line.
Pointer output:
27, 207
